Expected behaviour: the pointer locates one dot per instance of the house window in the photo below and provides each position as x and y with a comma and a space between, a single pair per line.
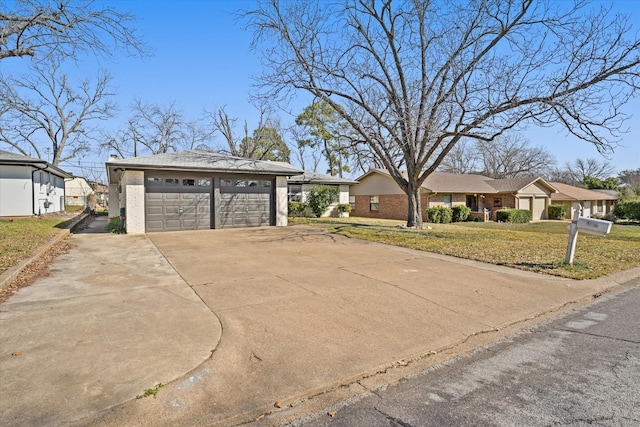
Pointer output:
253, 183
172, 181
204, 182
241, 183
189, 182
226, 183
447, 200
154, 180
374, 203
352, 202
497, 202
600, 206
265, 184
294, 193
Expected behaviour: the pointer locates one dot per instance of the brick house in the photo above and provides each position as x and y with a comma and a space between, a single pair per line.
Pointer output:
378, 196
593, 202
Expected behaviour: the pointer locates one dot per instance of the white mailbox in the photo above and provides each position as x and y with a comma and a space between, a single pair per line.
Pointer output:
599, 227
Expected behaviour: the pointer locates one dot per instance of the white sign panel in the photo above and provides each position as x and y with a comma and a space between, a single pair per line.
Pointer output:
599, 227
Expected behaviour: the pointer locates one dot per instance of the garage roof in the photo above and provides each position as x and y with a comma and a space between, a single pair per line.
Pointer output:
201, 160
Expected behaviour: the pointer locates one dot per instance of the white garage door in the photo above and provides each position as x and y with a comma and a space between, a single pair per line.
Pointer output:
539, 211
245, 202
175, 203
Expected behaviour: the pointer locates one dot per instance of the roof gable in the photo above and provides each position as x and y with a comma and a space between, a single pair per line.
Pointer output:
513, 185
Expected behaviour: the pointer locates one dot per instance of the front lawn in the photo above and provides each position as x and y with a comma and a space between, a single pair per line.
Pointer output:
539, 246
19, 238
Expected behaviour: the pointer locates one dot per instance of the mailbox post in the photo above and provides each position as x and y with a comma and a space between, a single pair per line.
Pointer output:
596, 227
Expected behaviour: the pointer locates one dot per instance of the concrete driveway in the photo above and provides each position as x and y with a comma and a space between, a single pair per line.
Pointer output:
307, 318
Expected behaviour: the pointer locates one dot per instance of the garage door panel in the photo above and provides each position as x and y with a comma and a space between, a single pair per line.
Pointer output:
539, 208
244, 209
178, 208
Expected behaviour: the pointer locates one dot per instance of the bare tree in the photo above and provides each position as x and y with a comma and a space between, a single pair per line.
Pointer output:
463, 158
510, 156
47, 105
575, 172
264, 143
420, 76
154, 129
41, 28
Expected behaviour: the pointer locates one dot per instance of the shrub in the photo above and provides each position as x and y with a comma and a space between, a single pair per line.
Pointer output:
343, 208
433, 214
113, 226
320, 197
629, 209
516, 216
610, 217
460, 213
296, 208
440, 215
558, 211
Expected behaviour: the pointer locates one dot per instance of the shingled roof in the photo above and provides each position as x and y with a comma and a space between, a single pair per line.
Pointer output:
9, 158
569, 192
201, 160
444, 182
318, 178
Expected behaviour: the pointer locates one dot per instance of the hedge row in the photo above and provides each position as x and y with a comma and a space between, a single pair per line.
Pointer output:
558, 211
444, 215
516, 216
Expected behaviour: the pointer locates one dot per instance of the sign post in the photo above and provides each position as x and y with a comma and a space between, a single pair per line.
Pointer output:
596, 227
573, 234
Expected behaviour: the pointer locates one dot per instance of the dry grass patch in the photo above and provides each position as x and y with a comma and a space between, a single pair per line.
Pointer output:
20, 237
537, 247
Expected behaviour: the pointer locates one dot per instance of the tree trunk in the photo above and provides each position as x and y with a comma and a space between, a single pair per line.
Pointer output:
414, 212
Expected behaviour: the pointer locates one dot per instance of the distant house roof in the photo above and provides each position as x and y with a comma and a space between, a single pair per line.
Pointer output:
444, 182
571, 193
9, 158
318, 178
202, 160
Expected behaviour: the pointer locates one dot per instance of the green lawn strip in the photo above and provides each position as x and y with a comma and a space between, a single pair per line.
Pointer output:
537, 247
19, 238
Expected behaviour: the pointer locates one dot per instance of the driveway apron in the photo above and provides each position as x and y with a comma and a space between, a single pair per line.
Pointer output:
304, 312
112, 320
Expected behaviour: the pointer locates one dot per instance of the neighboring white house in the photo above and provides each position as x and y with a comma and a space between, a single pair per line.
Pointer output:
197, 190
29, 186
77, 191
299, 187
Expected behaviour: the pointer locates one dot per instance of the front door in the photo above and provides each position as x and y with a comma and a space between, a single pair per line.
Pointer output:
472, 202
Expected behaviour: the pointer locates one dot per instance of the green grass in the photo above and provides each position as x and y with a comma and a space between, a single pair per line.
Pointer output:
539, 246
19, 238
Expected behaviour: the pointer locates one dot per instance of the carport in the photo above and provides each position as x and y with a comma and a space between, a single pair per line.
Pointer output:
197, 189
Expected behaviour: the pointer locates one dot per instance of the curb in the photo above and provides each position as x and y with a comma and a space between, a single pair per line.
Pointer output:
9, 276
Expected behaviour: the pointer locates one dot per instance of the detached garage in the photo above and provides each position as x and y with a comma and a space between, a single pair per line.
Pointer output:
195, 190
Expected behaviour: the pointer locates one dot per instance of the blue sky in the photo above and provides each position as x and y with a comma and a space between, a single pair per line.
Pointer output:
201, 59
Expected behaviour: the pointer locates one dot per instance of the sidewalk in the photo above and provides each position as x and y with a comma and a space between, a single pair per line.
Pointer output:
299, 319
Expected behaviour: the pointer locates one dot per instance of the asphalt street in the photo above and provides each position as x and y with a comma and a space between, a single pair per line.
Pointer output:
582, 369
